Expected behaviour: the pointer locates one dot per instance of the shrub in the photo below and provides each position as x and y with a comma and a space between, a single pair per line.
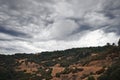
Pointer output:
91, 78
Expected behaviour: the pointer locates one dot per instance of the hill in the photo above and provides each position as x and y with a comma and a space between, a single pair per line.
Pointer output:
90, 63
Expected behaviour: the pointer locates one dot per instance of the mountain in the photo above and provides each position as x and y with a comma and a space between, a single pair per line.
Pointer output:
90, 63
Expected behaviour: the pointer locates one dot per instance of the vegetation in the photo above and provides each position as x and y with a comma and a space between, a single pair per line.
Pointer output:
119, 43
9, 63
113, 71
69, 70
91, 78
45, 73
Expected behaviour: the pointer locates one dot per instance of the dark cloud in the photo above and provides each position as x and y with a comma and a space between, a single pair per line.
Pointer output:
111, 16
115, 29
85, 27
5, 40
12, 32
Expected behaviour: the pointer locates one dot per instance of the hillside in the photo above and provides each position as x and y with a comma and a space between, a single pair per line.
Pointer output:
91, 63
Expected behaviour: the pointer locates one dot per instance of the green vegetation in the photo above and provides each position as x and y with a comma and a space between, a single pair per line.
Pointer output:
91, 78
113, 72
65, 58
119, 43
45, 73
69, 70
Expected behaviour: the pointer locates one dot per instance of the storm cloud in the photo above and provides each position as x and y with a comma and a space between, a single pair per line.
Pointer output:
46, 25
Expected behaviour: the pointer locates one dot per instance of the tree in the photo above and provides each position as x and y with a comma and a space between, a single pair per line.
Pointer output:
108, 44
113, 44
119, 43
115, 75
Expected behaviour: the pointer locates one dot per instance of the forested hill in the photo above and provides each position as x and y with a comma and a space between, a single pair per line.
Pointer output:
90, 63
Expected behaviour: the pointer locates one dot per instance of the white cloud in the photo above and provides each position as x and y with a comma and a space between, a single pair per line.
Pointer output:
93, 38
50, 24
63, 9
63, 28
98, 37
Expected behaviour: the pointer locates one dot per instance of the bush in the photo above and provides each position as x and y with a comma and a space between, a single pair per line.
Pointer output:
57, 74
91, 78
112, 73
103, 77
115, 75
100, 71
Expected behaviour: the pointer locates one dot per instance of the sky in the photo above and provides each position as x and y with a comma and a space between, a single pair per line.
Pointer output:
33, 26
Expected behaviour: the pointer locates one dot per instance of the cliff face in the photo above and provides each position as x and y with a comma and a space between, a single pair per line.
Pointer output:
94, 63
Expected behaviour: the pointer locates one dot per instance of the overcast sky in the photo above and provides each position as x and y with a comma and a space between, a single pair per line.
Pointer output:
47, 25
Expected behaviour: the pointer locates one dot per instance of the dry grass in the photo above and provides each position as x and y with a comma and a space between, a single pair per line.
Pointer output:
30, 67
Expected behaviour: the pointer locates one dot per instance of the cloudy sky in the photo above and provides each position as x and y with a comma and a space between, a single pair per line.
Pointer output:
47, 25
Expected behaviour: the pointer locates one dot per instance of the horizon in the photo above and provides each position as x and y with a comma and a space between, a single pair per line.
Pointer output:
28, 26
116, 44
